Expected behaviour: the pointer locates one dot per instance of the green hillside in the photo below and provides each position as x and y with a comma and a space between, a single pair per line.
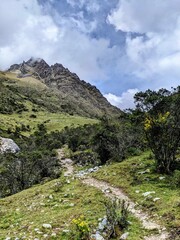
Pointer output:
23, 214
60, 201
27, 102
56, 88
113, 178
50, 203
136, 176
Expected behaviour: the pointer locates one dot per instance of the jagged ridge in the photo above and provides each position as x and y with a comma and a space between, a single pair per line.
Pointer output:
84, 98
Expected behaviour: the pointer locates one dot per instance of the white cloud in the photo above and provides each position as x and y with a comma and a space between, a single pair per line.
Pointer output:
125, 101
31, 32
12, 14
91, 6
150, 59
154, 55
77, 22
145, 15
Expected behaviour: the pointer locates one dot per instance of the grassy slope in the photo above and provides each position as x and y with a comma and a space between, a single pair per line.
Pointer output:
27, 81
28, 210
22, 213
53, 121
88, 104
130, 177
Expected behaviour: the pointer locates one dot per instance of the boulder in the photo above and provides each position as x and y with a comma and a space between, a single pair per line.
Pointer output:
97, 236
124, 236
145, 194
47, 225
8, 145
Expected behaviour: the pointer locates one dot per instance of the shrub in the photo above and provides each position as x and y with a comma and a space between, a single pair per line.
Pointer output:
175, 179
22, 170
86, 157
117, 216
161, 115
81, 230
33, 116
134, 151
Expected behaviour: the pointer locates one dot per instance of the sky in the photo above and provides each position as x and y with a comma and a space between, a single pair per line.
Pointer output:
120, 46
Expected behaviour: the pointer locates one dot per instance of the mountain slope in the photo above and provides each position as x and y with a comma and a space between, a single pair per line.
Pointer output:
78, 96
27, 102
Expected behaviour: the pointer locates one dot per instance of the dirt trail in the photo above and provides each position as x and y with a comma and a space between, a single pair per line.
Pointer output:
113, 192
67, 163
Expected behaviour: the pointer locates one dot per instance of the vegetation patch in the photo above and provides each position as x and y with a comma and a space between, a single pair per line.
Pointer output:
52, 121
50, 210
152, 191
25, 213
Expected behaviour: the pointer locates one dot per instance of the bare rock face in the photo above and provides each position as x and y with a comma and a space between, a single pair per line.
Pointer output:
8, 145
36, 67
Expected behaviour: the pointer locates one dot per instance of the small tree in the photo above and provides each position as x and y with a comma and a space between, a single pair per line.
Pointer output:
114, 139
161, 124
22, 170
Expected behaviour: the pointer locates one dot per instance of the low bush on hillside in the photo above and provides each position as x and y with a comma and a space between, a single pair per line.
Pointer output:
117, 217
21, 171
86, 158
36, 162
10, 101
106, 141
80, 229
175, 179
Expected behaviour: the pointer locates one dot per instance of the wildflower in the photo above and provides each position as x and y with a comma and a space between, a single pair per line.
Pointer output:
147, 124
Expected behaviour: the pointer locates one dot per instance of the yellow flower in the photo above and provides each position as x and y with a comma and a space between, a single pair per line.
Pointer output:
147, 123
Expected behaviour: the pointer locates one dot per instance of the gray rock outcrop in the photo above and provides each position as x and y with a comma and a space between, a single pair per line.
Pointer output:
8, 145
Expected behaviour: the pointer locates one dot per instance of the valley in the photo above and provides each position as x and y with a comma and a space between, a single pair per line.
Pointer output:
84, 169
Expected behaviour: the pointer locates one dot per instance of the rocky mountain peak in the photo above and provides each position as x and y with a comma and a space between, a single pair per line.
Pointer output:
33, 61
41, 70
80, 94
36, 67
37, 63
59, 69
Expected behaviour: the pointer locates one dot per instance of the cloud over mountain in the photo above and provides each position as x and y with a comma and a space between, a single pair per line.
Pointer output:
117, 45
31, 31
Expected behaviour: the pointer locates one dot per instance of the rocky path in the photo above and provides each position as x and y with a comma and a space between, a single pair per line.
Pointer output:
113, 192
66, 163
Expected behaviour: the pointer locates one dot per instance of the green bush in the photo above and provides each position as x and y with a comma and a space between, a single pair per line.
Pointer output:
117, 216
134, 151
86, 157
22, 170
160, 114
80, 229
175, 179
37, 161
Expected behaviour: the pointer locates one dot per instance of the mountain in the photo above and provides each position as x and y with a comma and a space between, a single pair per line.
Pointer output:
75, 95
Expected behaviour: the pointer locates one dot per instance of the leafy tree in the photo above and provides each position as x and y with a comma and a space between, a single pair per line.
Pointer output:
36, 161
113, 140
161, 124
22, 170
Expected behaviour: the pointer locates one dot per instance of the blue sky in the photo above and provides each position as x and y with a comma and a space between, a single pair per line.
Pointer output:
121, 46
